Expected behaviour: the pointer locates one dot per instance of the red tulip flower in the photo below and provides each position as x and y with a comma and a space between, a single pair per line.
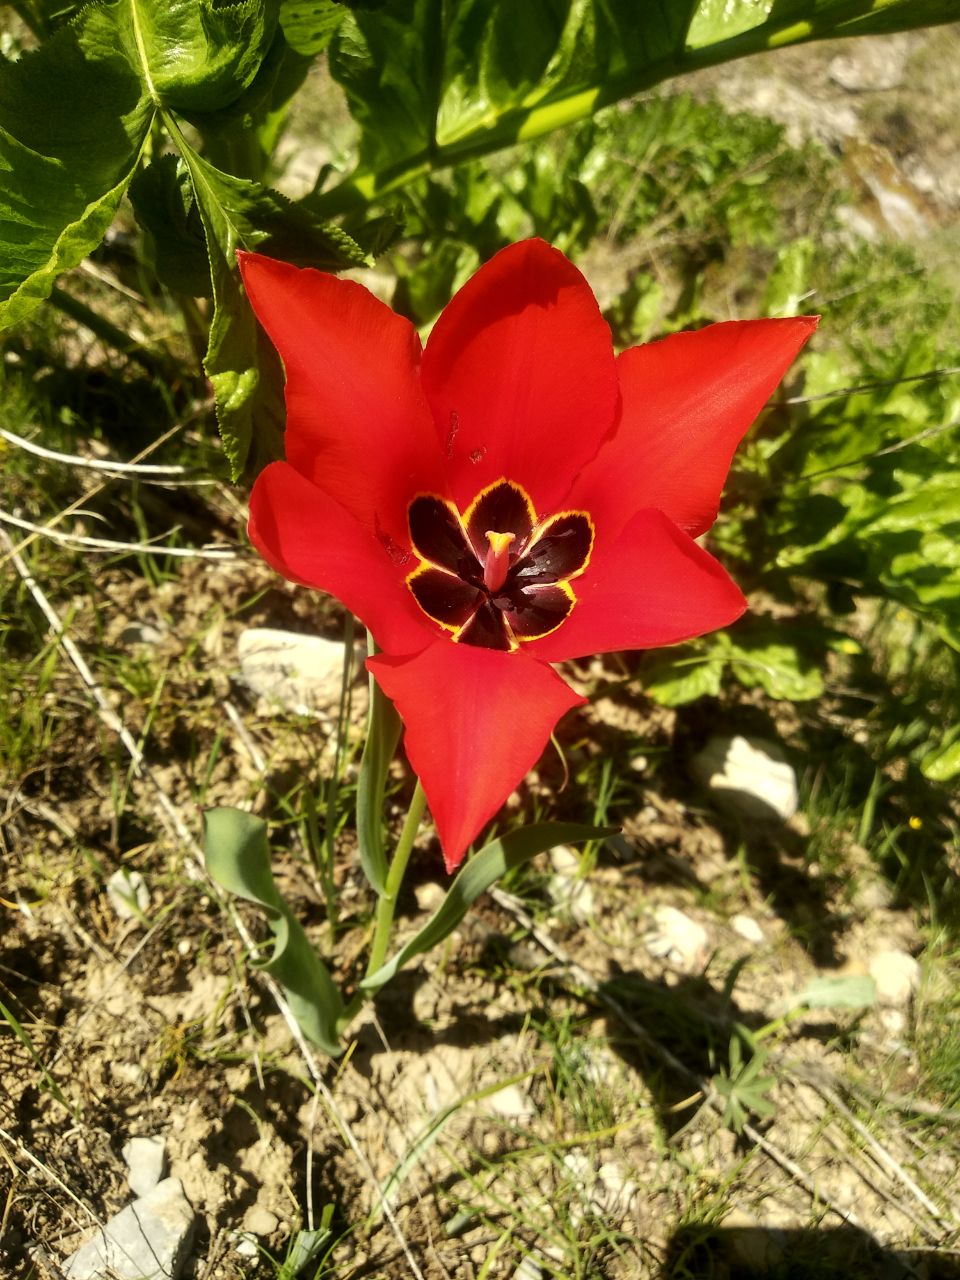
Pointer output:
507, 497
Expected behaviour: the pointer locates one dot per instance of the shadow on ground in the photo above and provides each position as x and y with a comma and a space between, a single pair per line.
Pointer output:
698, 1251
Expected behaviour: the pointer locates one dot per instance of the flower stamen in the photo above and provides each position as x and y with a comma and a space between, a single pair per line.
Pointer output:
496, 562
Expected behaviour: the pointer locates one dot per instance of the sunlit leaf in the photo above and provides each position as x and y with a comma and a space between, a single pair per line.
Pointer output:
195, 55
476, 877
852, 991
240, 363
73, 120
238, 858
309, 25
431, 82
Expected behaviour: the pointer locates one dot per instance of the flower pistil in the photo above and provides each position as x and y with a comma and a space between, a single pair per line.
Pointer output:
496, 575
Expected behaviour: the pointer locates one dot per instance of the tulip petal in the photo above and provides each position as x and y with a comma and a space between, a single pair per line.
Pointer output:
358, 425
687, 402
309, 538
652, 586
520, 375
476, 722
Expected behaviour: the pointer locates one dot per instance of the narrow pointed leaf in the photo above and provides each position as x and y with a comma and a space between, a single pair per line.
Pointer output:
73, 120
238, 859
476, 877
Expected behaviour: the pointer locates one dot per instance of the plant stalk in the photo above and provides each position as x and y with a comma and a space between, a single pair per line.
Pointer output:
387, 903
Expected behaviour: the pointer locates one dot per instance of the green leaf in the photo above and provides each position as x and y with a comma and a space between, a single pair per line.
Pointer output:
431, 83
240, 363
674, 677
778, 667
73, 121
238, 858
854, 991
942, 762
174, 244
476, 877
309, 25
197, 55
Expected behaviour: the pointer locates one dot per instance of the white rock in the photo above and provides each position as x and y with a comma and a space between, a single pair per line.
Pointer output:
677, 939
748, 776
429, 895
564, 860
511, 1103
144, 1158
148, 1240
247, 1246
869, 66
128, 894
302, 673
747, 928
896, 974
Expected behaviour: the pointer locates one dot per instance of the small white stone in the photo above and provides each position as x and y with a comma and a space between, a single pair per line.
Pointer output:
247, 1246
677, 939
747, 928
896, 974
869, 66
302, 673
149, 1238
144, 1158
747, 776
429, 896
128, 894
511, 1103
564, 860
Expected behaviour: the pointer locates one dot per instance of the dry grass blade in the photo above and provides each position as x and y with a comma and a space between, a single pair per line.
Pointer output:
112, 547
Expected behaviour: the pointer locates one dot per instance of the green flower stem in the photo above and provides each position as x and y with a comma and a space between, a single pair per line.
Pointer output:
387, 904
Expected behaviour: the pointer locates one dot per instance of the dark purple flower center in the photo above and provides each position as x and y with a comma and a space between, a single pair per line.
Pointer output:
496, 575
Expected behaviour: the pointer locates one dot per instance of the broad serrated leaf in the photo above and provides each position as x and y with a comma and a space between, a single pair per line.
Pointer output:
675, 677
309, 25
431, 82
475, 878
195, 55
73, 120
240, 363
778, 667
238, 858
173, 239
